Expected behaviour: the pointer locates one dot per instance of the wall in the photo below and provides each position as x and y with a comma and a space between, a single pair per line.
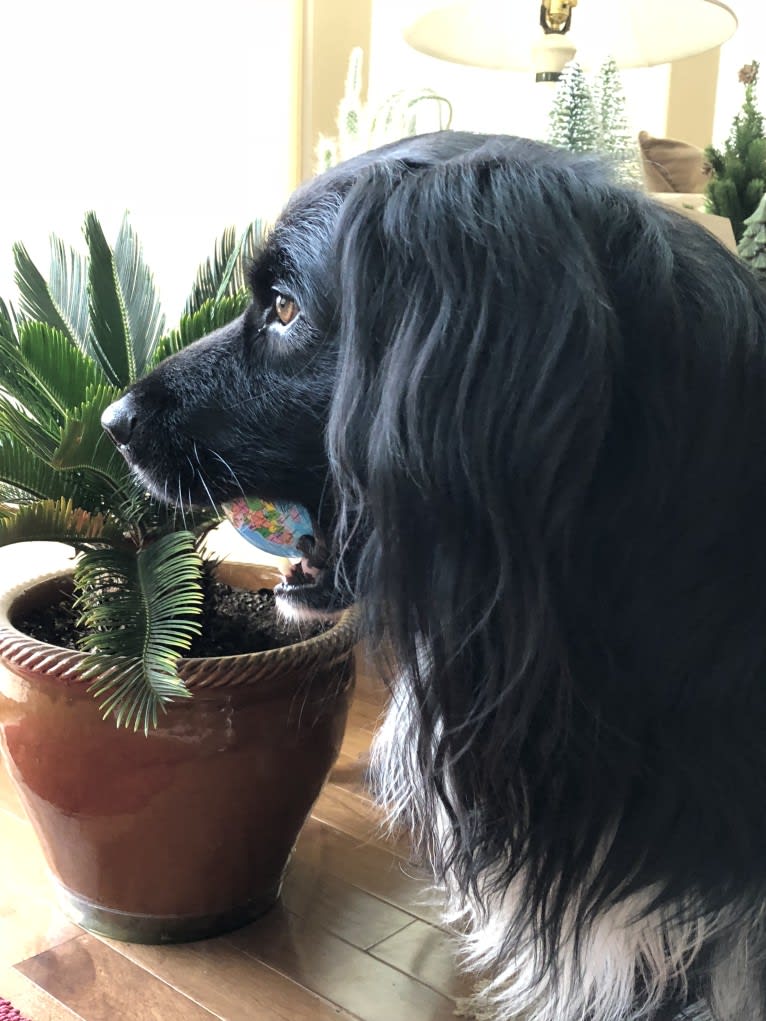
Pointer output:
331, 29
184, 114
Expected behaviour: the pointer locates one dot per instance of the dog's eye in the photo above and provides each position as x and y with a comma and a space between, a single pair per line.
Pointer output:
285, 308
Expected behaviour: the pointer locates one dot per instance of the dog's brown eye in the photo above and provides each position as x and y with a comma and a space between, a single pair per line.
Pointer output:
285, 308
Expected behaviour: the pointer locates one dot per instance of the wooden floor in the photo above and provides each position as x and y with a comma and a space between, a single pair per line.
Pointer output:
354, 935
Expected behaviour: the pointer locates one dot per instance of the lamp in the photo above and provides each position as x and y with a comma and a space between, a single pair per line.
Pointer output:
523, 35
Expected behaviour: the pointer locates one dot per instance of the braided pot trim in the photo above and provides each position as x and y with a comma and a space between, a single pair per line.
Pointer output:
324, 651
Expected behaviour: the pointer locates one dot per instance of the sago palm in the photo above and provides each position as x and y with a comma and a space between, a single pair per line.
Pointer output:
78, 338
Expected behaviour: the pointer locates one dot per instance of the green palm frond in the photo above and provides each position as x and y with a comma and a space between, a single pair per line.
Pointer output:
84, 445
58, 521
224, 273
92, 328
25, 477
146, 322
110, 330
8, 321
40, 436
61, 302
211, 315
141, 610
19, 384
59, 369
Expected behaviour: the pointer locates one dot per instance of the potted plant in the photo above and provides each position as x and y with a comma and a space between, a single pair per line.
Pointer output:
179, 822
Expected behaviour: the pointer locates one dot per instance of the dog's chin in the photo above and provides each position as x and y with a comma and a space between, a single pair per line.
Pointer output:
309, 597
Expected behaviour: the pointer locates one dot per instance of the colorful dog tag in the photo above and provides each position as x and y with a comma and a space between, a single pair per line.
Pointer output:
272, 527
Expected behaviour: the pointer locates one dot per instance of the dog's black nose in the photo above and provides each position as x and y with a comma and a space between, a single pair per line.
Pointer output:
119, 419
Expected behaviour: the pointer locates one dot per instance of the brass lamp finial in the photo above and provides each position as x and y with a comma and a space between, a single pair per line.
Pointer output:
556, 16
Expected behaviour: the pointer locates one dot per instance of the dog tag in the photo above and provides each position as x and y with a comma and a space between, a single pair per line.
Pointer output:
272, 527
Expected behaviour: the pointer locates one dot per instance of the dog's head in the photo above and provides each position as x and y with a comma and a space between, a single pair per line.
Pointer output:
483, 368
246, 410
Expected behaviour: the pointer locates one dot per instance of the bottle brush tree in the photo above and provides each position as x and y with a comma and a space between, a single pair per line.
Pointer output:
738, 179
573, 122
615, 138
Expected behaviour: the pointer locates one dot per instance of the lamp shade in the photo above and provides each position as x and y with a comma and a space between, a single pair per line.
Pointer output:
504, 34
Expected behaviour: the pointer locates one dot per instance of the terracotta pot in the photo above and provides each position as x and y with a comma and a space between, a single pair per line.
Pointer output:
185, 833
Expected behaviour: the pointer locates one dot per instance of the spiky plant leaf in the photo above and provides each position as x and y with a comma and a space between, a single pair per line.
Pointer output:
58, 521
224, 273
141, 610
110, 329
59, 368
146, 322
8, 316
19, 384
212, 315
84, 445
61, 302
25, 477
40, 436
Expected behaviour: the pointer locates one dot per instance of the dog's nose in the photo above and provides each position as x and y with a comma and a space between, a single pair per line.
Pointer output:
119, 420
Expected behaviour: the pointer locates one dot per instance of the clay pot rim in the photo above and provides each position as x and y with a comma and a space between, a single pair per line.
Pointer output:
28, 654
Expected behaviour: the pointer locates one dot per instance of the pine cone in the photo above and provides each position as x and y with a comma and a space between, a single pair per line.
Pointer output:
748, 75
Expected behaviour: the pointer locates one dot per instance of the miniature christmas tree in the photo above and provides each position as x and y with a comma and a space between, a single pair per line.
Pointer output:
752, 247
615, 140
739, 172
573, 123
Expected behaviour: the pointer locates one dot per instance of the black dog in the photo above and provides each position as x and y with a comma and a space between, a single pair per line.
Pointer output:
527, 408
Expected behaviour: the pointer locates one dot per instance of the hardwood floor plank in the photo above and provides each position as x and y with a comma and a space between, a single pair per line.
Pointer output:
32, 1001
29, 926
368, 683
100, 985
368, 866
341, 973
350, 772
356, 742
9, 799
356, 816
342, 909
229, 983
366, 715
21, 857
426, 953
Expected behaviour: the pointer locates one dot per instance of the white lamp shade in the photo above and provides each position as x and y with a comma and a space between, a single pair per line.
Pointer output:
503, 34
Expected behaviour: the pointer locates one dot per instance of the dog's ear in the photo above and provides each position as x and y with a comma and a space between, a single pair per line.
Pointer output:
474, 388
473, 396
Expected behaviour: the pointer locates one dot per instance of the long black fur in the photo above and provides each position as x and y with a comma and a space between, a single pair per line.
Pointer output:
527, 408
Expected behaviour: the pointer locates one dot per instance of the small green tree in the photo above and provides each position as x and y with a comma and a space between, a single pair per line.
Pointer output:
615, 139
739, 171
573, 122
752, 247
81, 336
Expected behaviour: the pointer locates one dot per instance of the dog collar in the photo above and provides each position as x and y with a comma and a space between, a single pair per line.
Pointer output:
272, 527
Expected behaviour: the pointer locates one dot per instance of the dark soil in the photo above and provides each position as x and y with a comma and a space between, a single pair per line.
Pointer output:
233, 621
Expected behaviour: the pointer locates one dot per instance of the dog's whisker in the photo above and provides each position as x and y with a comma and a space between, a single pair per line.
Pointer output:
230, 470
216, 509
180, 504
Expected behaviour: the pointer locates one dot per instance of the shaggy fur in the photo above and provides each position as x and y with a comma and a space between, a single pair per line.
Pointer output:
527, 410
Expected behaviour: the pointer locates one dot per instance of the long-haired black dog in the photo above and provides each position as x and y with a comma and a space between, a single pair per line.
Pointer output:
527, 409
